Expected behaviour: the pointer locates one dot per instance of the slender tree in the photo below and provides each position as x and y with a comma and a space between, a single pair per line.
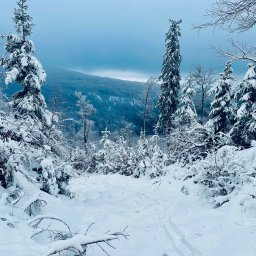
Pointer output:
148, 101
221, 108
22, 67
244, 130
170, 87
203, 80
85, 111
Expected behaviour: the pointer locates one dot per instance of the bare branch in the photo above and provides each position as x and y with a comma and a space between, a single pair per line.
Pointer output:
235, 15
241, 52
103, 249
36, 221
89, 228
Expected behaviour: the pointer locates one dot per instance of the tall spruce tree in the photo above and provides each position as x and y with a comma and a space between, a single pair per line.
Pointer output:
186, 113
221, 113
244, 130
22, 67
168, 101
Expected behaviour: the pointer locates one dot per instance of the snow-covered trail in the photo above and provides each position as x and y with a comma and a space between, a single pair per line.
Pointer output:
157, 234
180, 245
161, 219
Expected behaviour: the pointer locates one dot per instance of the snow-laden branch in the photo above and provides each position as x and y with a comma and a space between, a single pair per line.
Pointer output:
3, 36
79, 242
241, 52
70, 241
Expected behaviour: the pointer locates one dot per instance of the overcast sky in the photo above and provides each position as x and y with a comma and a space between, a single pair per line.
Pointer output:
117, 37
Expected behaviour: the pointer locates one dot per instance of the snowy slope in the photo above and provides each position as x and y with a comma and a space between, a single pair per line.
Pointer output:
161, 219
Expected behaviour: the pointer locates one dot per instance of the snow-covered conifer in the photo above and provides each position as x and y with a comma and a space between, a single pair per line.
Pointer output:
221, 107
142, 156
23, 67
244, 130
105, 137
168, 101
150, 158
49, 179
186, 114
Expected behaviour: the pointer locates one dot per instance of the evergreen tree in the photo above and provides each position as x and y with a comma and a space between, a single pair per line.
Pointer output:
244, 130
221, 107
22, 67
168, 101
150, 158
186, 114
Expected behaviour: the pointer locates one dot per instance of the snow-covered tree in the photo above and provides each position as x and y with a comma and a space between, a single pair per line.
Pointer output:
23, 21
169, 97
221, 107
150, 158
186, 113
105, 137
23, 67
26, 154
86, 109
49, 179
123, 157
203, 79
244, 130
148, 102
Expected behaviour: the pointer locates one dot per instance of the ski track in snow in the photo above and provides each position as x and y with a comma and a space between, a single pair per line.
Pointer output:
177, 239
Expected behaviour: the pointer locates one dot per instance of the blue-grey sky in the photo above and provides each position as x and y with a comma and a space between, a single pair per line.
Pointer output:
111, 36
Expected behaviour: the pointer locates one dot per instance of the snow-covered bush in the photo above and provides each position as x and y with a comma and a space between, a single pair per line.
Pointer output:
48, 177
115, 157
150, 158
188, 145
23, 151
220, 174
142, 159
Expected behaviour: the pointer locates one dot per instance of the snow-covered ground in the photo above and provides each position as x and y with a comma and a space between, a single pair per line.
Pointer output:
161, 219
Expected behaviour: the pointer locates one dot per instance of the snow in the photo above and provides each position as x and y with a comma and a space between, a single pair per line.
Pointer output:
11, 76
161, 218
24, 61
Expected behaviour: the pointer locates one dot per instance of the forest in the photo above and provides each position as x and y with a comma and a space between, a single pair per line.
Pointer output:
98, 166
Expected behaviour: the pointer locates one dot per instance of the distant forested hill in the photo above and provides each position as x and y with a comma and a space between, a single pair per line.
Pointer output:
118, 103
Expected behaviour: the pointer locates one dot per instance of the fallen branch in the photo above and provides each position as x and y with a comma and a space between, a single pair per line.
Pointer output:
38, 220
79, 242
34, 204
